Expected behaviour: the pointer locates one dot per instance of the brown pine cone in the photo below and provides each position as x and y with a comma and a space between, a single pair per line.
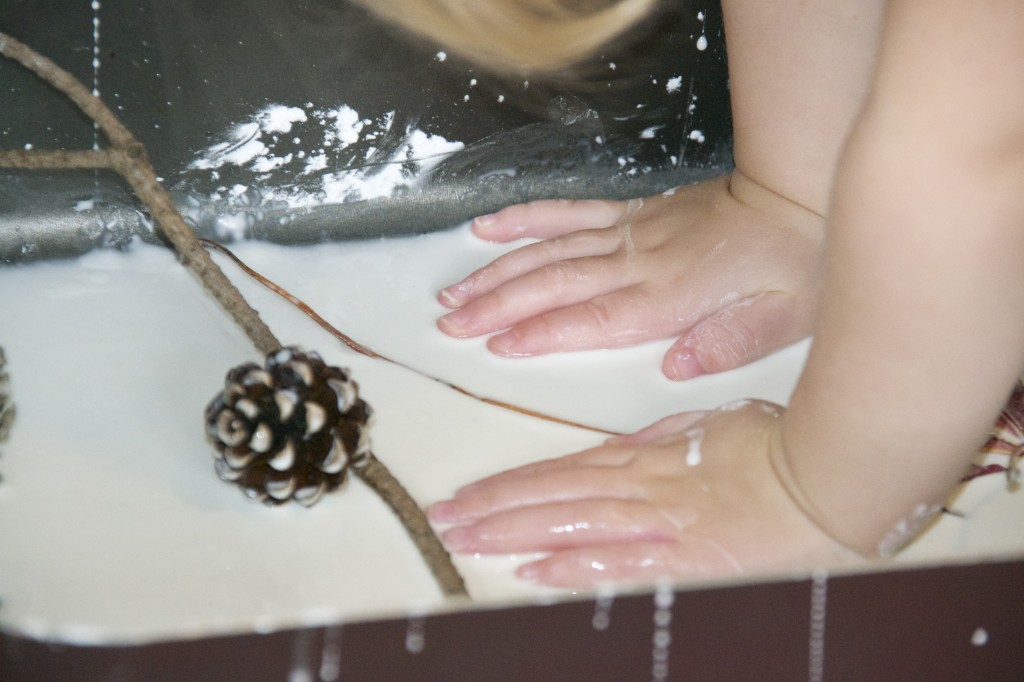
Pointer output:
289, 430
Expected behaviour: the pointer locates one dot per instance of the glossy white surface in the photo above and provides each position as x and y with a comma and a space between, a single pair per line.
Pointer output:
113, 525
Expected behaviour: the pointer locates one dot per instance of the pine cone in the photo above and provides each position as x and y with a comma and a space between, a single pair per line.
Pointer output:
290, 430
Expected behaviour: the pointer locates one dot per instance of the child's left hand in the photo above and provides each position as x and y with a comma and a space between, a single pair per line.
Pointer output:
693, 495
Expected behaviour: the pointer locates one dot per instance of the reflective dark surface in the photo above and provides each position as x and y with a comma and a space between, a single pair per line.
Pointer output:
181, 74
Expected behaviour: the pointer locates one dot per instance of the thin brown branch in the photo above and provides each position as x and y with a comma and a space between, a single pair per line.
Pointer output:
59, 158
365, 350
380, 479
70, 87
128, 158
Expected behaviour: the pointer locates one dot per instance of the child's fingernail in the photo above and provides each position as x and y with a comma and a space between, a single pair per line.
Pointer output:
455, 295
455, 323
484, 220
684, 365
457, 539
529, 571
507, 344
448, 299
442, 512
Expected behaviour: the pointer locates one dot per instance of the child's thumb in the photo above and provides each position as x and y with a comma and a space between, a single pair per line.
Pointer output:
733, 336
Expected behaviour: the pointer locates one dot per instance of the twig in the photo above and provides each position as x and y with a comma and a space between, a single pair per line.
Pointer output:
60, 158
381, 480
127, 156
369, 352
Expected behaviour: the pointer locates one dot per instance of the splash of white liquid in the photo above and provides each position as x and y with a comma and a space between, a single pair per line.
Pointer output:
260, 145
695, 438
979, 637
908, 528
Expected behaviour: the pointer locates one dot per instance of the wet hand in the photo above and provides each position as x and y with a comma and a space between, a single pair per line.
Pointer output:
726, 266
694, 495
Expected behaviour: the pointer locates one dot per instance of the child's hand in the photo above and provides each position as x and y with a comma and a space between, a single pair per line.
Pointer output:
726, 265
693, 495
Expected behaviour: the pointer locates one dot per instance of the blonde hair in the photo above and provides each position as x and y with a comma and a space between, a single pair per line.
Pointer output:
511, 36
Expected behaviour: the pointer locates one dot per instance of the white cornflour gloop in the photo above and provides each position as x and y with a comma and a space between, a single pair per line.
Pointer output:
334, 154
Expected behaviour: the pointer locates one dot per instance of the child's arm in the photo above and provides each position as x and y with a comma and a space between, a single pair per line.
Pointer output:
724, 266
920, 338
921, 334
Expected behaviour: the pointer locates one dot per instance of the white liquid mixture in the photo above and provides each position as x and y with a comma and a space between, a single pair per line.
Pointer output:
114, 527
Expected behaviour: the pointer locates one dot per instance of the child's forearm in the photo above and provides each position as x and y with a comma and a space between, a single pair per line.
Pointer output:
921, 331
798, 73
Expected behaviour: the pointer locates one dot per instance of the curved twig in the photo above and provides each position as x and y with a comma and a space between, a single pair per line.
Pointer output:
364, 350
384, 483
128, 157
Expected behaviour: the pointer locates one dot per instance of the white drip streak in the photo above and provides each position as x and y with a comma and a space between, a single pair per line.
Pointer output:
95, 66
664, 598
816, 646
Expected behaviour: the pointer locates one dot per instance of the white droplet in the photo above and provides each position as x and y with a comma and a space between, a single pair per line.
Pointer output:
693, 455
980, 637
702, 43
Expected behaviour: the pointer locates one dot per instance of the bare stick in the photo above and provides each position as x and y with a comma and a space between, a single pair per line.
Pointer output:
127, 156
92, 158
380, 479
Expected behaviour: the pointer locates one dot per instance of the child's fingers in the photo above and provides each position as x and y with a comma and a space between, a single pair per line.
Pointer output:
738, 334
561, 284
600, 456
529, 259
638, 562
668, 426
547, 218
549, 487
613, 320
561, 525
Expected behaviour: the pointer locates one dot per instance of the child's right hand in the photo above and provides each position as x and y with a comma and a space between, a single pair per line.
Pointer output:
728, 266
